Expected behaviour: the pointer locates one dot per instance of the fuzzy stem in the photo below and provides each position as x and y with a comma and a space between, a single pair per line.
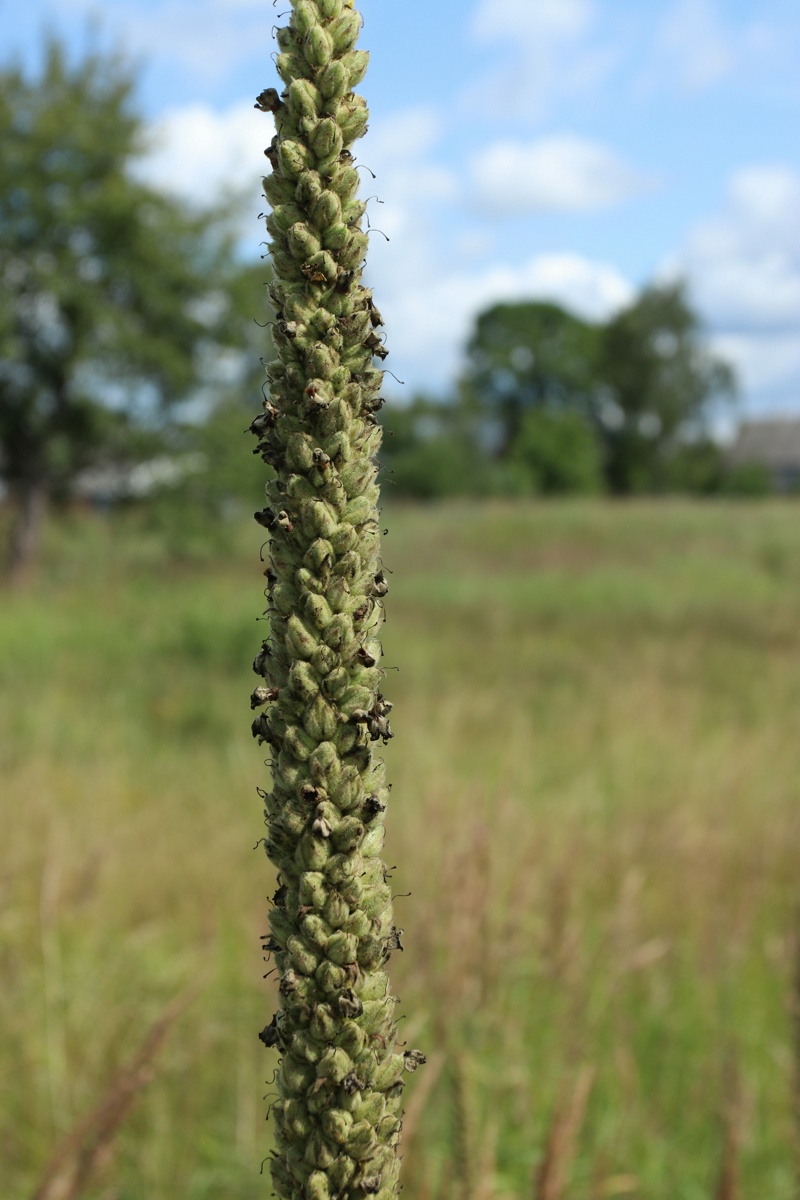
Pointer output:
340, 1080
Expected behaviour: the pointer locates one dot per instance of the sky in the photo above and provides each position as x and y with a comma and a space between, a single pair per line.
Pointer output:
570, 150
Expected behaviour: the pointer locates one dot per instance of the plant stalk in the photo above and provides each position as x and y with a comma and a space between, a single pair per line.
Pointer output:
340, 1079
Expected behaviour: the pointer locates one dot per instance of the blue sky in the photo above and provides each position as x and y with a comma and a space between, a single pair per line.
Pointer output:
566, 149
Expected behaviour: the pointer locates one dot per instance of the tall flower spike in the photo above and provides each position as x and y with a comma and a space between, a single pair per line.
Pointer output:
340, 1079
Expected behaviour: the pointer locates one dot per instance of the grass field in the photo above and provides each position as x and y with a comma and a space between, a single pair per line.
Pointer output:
596, 779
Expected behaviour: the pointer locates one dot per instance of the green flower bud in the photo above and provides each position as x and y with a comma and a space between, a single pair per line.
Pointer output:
300, 642
319, 521
312, 853
339, 632
336, 911
334, 80
344, 31
312, 889
370, 953
315, 931
284, 598
336, 682
345, 183
328, 9
357, 62
355, 699
324, 1026
304, 99
341, 1173
321, 361
372, 987
309, 188
372, 1108
347, 834
305, 1048
353, 122
300, 745
373, 841
317, 1187
341, 948
308, 582
358, 924
389, 1127
302, 243
335, 238
325, 766
361, 1141
337, 1125
358, 511
353, 254
326, 210
388, 1073
318, 46
324, 660
376, 901
320, 720
296, 1077
356, 476
335, 1065
330, 978
293, 159
283, 262
318, 611
342, 868
319, 556
296, 1120
305, 17
277, 190
327, 138
283, 216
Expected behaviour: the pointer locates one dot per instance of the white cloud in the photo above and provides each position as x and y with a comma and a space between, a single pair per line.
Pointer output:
553, 52
430, 309
558, 173
746, 262
694, 45
768, 365
202, 37
744, 266
551, 20
199, 154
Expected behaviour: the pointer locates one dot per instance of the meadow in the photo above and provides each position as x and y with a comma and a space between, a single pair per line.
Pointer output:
595, 778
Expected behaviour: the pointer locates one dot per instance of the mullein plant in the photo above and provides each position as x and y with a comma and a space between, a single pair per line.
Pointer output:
340, 1077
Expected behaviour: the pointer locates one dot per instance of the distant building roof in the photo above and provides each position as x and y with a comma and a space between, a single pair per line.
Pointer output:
773, 443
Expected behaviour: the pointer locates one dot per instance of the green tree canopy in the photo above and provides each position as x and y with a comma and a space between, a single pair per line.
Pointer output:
531, 355
644, 384
112, 294
660, 384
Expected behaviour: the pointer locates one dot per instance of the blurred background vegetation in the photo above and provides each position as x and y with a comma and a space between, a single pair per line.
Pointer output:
132, 332
596, 762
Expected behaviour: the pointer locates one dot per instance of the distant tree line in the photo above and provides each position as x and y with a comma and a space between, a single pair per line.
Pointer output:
128, 331
550, 404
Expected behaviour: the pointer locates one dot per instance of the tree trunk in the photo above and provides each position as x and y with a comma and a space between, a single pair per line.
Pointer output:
29, 504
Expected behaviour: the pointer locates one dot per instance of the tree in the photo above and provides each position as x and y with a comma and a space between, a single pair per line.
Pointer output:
660, 383
110, 291
339, 1081
644, 382
559, 453
530, 355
